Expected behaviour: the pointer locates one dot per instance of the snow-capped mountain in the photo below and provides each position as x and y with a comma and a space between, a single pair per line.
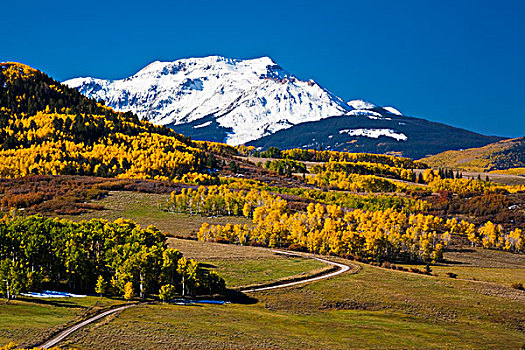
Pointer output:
258, 103
246, 99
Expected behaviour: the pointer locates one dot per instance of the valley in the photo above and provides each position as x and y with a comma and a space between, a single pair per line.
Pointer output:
112, 207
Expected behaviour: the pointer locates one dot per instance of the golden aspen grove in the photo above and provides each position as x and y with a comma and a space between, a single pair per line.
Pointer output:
87, 139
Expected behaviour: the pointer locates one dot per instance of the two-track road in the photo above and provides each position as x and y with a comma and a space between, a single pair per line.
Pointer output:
62, 335
342, 268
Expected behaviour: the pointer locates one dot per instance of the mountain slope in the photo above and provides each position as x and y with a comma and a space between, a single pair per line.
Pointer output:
502, 155
391, 134
255, 101
49, 128
247, 98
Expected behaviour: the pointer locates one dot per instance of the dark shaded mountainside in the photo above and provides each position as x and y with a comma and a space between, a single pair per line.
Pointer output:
410, 137
506, 154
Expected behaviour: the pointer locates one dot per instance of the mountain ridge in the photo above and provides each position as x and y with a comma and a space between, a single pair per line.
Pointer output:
252, 97
397, 135
250, 101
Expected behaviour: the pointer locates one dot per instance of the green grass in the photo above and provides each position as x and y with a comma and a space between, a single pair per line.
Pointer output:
33, 320
478, 264
150, 209
504, 277
375, 308
250, 271
242, 266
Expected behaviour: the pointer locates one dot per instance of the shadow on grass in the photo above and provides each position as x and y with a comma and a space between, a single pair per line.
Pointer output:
208, 266
237, 297
57, 303
446, 262
460, 250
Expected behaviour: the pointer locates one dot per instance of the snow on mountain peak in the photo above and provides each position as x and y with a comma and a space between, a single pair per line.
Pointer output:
251, 98
361, 104
392, 110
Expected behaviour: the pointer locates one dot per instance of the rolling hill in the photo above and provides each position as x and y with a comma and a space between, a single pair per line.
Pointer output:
48, 128
506, 156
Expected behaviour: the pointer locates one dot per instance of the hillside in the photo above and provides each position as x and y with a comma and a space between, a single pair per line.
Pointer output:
48, 128
506, 156
391, 134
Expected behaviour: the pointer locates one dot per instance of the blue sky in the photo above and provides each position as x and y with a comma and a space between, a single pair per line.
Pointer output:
457, 62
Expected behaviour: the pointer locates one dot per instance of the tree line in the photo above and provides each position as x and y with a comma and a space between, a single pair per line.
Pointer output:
311, 155
112, 258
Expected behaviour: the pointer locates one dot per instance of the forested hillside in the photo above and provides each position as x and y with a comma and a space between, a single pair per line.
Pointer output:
392, 134
507, 156
48, 128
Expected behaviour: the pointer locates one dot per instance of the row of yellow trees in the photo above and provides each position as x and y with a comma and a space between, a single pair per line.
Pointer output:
436, 184
341, 180
331, 229
380, 235
312, 155
219, 200
493, 236
365, 168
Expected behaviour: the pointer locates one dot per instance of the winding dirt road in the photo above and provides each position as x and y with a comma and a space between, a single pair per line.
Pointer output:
341, 269
62, 335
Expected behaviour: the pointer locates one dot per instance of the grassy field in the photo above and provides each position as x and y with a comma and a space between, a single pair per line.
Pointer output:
244, 266
376, 308
149, 209
33, 320
484, 265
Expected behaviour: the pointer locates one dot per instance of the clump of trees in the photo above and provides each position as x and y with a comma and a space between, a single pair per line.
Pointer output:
436, 183
286, 167
365, 168
380, 235
340, 180
52, 143
112, 258
371, 202
218, 200
493, 236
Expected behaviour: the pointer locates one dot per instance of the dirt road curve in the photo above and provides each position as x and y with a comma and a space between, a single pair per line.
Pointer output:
342, 269
62, 335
